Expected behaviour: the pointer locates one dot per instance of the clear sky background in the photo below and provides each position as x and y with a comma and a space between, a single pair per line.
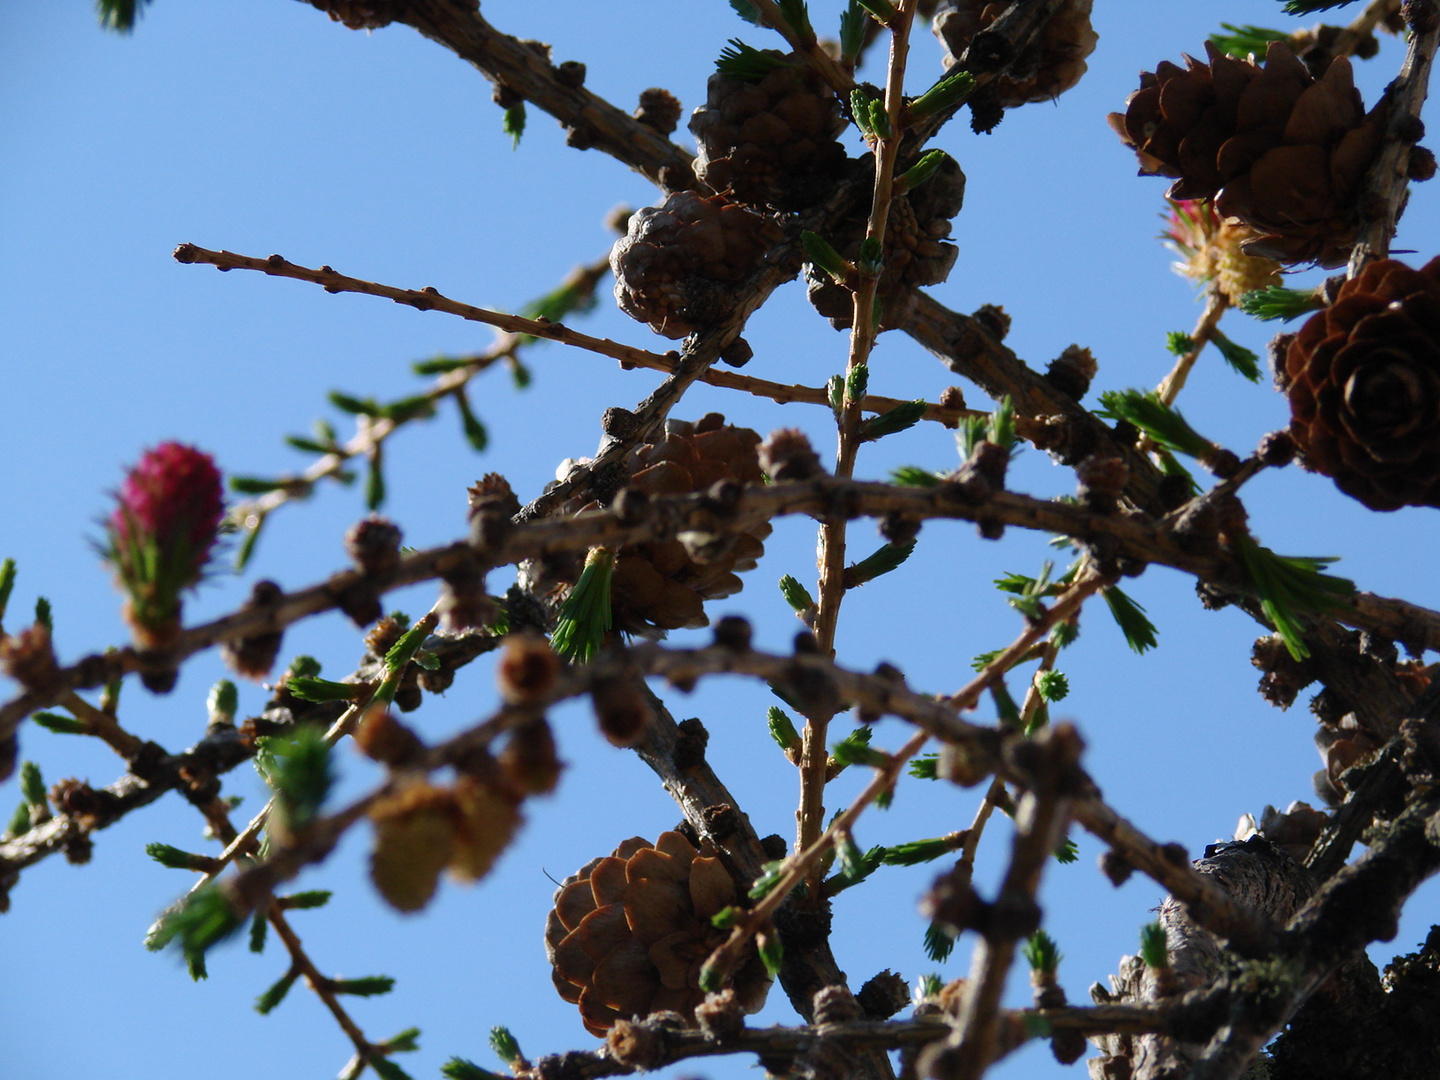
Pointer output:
262, 127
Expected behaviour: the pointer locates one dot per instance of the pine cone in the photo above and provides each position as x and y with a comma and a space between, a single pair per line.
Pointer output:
676, 265
630, 931
1277, 149
660, 584
770, 142
1363, 379
1053, 63
915, 252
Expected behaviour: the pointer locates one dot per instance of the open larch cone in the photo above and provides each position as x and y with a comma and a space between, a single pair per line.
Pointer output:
1363, 379
770, 142
677, 265
630, 931
1277, 149
1053, 62
662, 584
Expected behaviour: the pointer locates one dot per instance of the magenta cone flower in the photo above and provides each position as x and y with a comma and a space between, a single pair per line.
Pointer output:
161, 536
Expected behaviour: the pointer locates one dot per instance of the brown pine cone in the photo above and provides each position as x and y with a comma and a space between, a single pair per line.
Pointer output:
916, 253
1052, 64
676, 265
770, 142
1363, 379
660, 584
1277, 149
630, 931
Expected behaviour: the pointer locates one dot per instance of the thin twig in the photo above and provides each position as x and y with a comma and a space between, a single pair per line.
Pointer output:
814, 756
425, 299
1363, 26
524, 67
1216, 303
1132, 536
1040, 822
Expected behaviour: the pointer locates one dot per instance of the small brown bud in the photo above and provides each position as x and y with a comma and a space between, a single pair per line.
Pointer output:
721, 820
373, 544
969, 764
883, 995
82, 802
571, 73
463, 603
898, 529
992, 320
953, 901
29, 658
492, 505
79, 849
621, 709
1072, 371
691, 744
1421, 166
1102, 481
738, 353
619, 423
409, 696
659, 109
1116, 867
529, 760
788, 455
1068, 1046
9, 755
634, 1045
720, 1016
1420, 15
383, 738
1276, 449
437, 681
527, 670
733, 632
952, 397
360, 601
253, 657
835, 1005
383, 636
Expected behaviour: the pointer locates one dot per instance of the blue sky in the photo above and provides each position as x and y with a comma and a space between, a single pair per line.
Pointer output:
263, 127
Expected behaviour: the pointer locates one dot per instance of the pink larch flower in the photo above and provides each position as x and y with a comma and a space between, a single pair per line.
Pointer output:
162, 534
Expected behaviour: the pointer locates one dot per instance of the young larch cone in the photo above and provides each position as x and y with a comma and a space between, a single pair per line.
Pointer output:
1277, 149
630, 932
1211, 249
676, 266
1049, 67
660, 584
161, 535
1363, 379
770, 142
